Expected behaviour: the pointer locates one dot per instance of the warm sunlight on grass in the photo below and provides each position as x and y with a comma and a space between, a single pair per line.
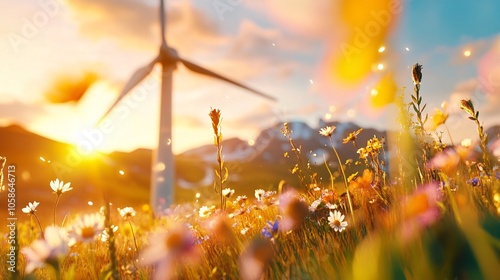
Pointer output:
413, 208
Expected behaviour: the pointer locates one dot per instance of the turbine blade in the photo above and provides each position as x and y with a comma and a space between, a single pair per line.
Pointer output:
162, 22
200, 70
136, 78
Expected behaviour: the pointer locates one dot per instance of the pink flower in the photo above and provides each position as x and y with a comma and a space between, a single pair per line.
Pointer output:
421, 209
293, 209
255, 258
495, 148
165, 248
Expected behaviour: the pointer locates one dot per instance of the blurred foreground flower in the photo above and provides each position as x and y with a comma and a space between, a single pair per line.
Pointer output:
165, 248
336, 221
254, 260
293, 209
48, 250
495, 148
221, 230
421, 209
446, 161
87, 227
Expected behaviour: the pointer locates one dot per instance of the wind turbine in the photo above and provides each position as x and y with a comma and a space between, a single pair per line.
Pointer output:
162, 173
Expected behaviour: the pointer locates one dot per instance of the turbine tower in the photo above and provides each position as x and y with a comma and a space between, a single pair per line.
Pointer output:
162, 167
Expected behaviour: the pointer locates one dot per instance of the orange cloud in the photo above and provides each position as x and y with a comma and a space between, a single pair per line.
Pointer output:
67, 88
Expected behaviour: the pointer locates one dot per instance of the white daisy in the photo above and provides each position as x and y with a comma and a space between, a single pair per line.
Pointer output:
336, 221
31, 208
331, 206
86, 228
227, 192
127, 212
204, 211
259, 194
59, 187
241, 199
327, 131
314, 205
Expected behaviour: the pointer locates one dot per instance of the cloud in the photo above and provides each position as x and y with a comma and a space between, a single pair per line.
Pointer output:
188, 121
486, 104
310, 19
20, 112
135, 24
70, 88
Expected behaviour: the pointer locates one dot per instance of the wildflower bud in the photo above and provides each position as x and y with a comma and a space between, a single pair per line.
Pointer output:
467, 106
215, 116
416, 73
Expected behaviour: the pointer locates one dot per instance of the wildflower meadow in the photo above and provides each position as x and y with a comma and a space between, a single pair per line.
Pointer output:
377, 215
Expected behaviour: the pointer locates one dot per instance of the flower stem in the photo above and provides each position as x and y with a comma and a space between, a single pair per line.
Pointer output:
345, 179
449, 134
133, 235
39, 225
453, 202
55, 206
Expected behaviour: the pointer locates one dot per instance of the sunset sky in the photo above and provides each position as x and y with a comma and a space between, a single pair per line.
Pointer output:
321, 59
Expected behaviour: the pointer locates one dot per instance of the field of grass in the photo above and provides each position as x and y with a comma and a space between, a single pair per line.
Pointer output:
434, 215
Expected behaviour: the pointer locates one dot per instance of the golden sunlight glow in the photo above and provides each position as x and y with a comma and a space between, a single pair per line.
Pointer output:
363, 39
328, 116
384, 92
380, 66
121, 172
381, 49
251, 142
467, 53
90, 203
42, 159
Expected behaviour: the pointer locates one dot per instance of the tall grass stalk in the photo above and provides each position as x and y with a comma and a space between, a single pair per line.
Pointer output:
467, 106
343, 177
221, 171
